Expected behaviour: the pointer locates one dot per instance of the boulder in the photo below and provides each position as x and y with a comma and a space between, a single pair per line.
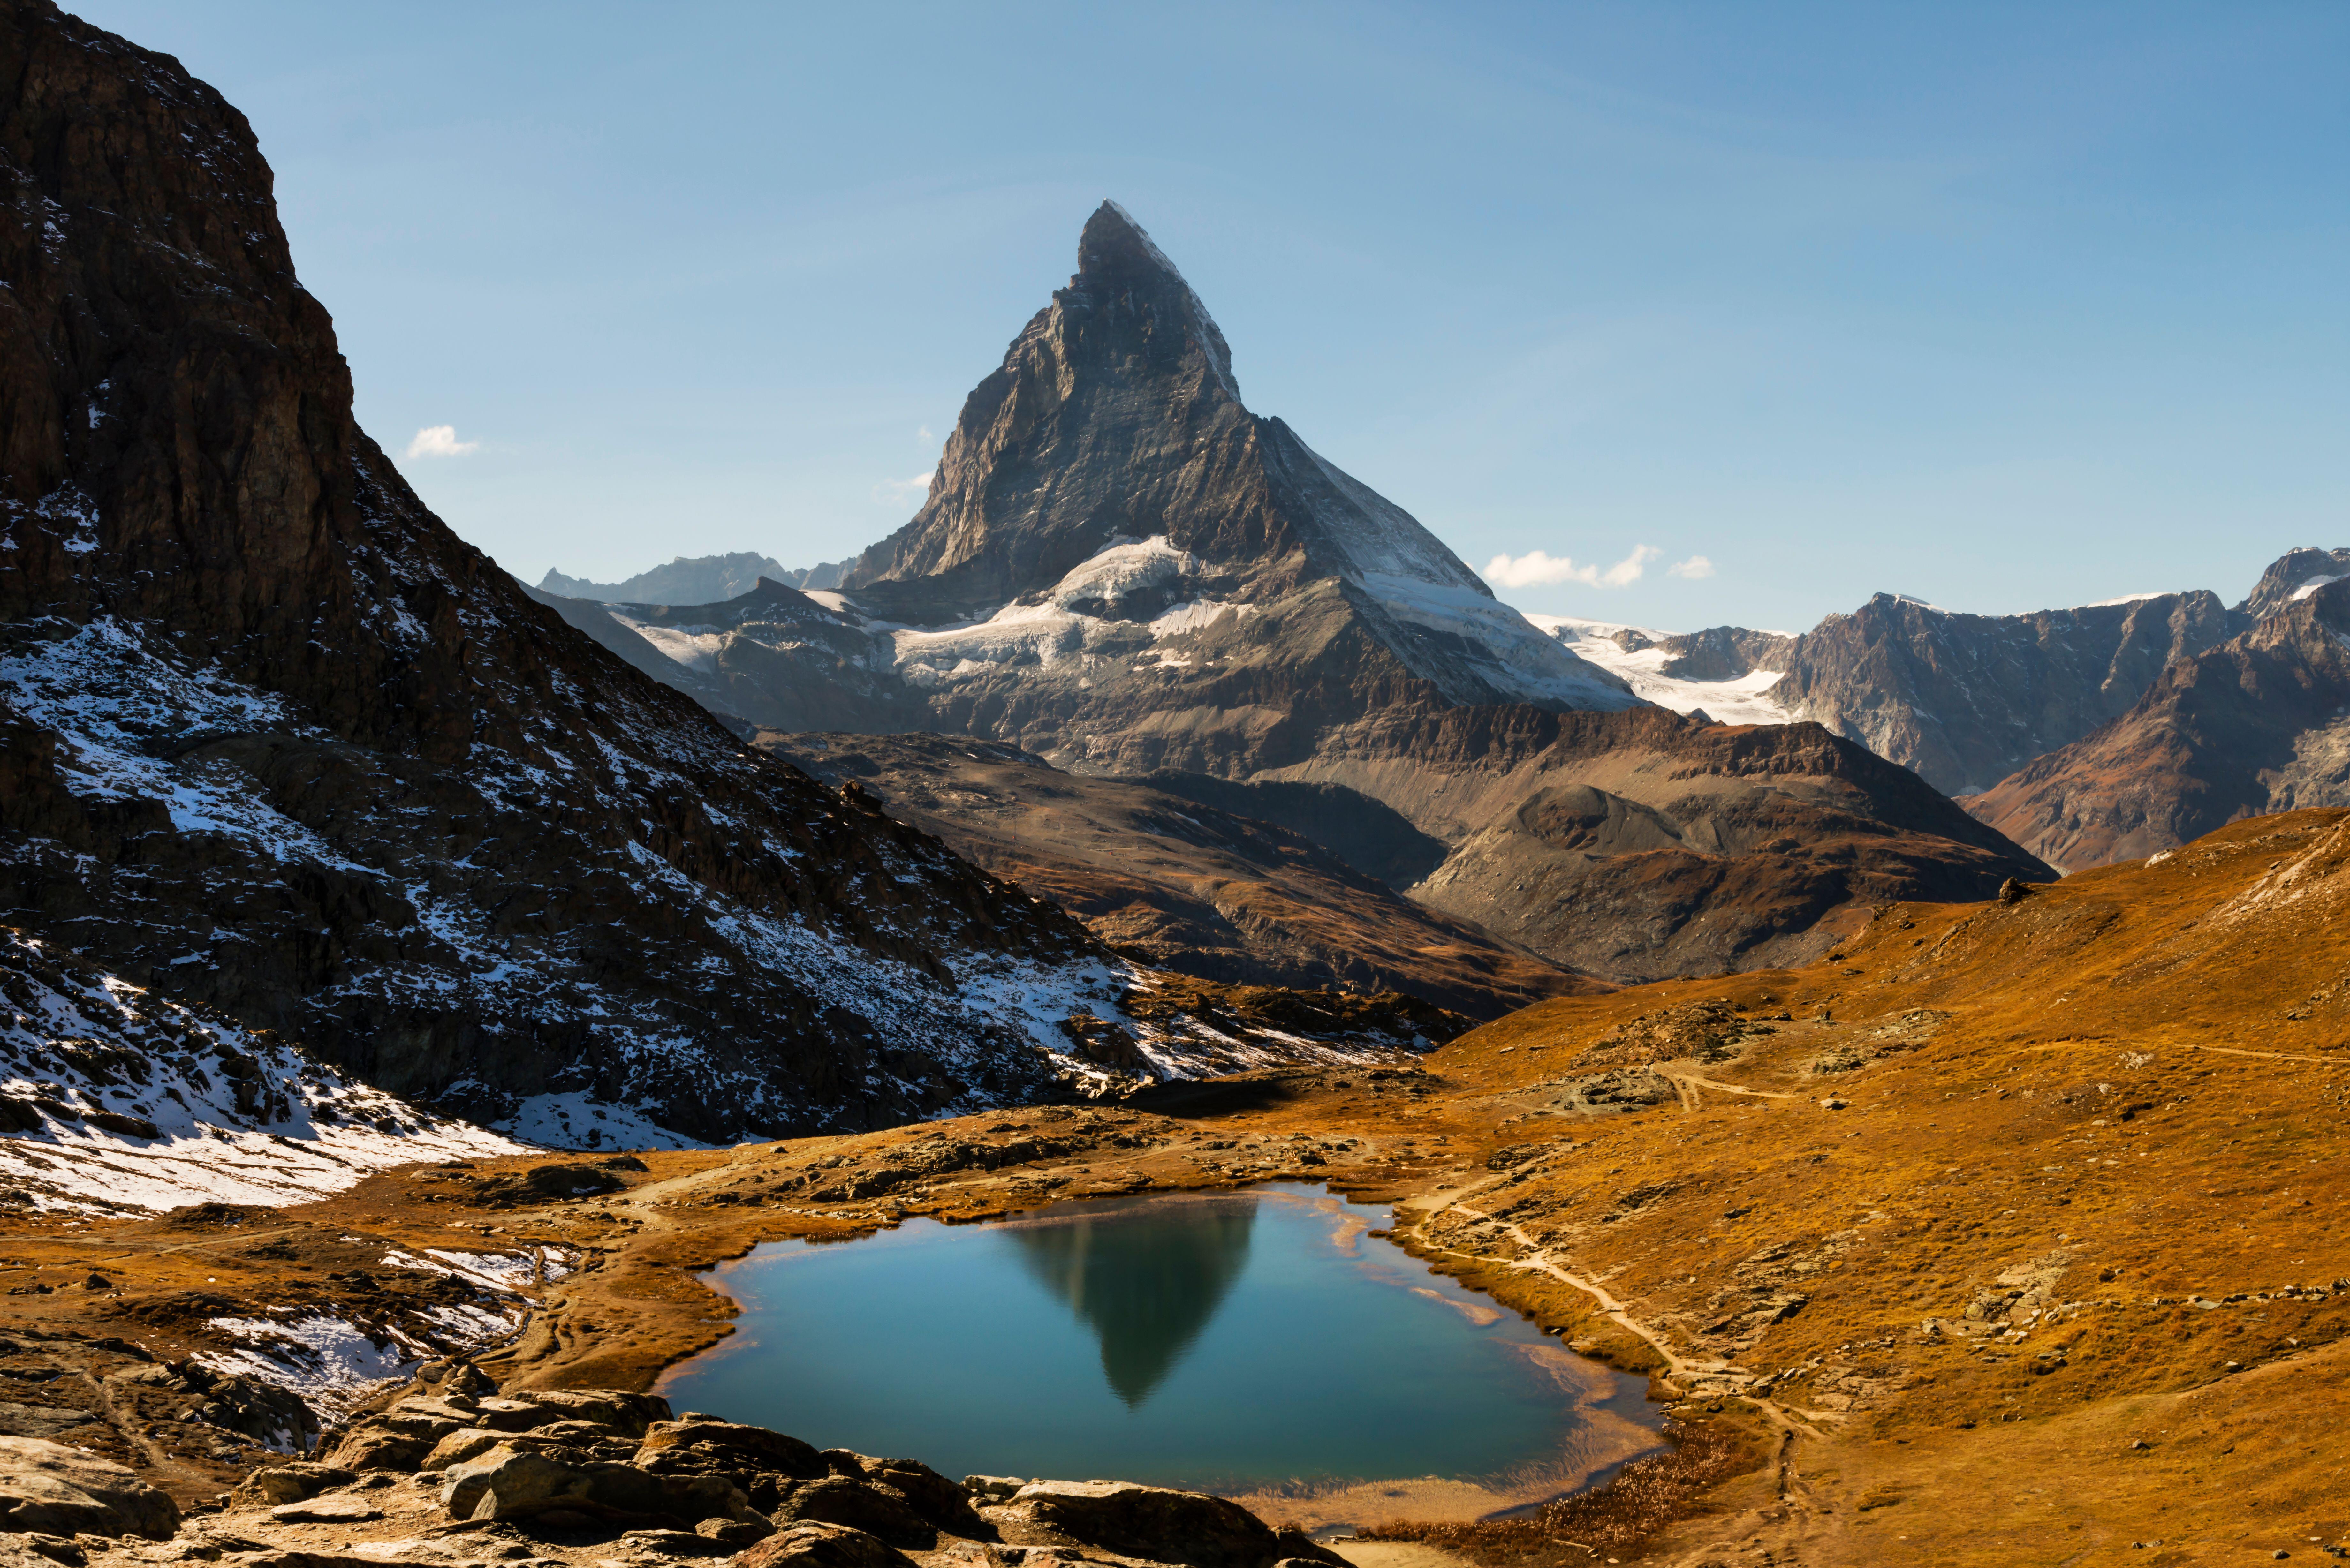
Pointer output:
879, 1511
293, 1483
1157, 1523
935, 1498
706, 1444
516, 1481
467, 1443
332, 1509
508, 1482
1295, 1546
49, 1489
995, 1488
631, 1415
815, 1545
511, 1414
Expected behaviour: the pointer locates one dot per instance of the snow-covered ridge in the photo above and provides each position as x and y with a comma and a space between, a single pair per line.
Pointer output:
120, 1100
1744, 700
1138, 602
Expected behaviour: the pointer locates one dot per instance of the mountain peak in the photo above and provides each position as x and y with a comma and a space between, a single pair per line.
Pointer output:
1115, 248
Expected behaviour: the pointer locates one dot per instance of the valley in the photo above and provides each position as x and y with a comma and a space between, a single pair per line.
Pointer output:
2034, 1189
1713, 1098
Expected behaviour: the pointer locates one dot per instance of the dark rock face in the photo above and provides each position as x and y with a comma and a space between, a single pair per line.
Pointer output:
2254, 725
273, 738
1177, 884
2289, 574
1963, 699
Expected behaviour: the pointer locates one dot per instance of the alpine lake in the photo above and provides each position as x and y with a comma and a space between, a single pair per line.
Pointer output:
1258, 1343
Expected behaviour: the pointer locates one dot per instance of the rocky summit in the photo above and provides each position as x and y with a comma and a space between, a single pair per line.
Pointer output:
1121, 568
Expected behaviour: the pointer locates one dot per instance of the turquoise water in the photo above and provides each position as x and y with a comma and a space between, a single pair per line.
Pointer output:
1230, 1342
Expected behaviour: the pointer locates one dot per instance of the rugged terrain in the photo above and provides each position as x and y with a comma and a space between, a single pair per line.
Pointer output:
1635, 846
685, 580
1179, 885
2003, 1233
2253, 726
1965, 700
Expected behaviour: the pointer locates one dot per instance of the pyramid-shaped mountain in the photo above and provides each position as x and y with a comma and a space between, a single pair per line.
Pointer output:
1122, 569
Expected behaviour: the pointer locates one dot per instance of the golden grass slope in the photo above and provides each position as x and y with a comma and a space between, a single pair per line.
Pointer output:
2024, 1221
2008, 1233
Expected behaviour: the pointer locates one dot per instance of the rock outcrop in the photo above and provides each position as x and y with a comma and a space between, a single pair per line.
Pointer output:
596, 1476
1637, 846
273, 740
52, 1489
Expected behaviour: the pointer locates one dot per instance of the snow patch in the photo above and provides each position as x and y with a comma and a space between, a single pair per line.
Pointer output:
1744, 701
695, 647
579, 1120
139, 1105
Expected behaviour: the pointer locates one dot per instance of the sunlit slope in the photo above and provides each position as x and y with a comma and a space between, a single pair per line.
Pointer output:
1992, 1194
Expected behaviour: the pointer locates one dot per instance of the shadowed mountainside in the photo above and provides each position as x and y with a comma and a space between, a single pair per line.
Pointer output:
1182, 886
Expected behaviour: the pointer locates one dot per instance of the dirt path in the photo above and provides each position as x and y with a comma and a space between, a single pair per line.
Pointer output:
1687, 1084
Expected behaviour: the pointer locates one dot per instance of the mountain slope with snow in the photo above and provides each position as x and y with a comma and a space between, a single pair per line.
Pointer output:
1121, 568
118, 1100
273, 741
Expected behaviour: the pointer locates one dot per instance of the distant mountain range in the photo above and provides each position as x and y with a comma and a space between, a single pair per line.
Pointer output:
2001, 711
695, 580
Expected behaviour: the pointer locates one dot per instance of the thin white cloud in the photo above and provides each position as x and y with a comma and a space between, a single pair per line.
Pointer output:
922, 433
1537, 568
897, 491
1696, 566
441, 441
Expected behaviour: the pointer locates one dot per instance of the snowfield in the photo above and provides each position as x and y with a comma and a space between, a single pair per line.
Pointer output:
1745, 701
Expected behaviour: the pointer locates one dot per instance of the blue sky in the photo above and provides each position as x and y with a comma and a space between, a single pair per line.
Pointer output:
2004, 306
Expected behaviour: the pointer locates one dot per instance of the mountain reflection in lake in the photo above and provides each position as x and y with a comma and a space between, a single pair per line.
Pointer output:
1255, 1343
1145, 1283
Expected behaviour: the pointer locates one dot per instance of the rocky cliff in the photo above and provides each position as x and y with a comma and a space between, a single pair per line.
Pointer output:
274, 739
2254, 725
1962, 698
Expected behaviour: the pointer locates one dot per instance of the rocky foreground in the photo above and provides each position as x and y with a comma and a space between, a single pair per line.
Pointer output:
447, 1470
